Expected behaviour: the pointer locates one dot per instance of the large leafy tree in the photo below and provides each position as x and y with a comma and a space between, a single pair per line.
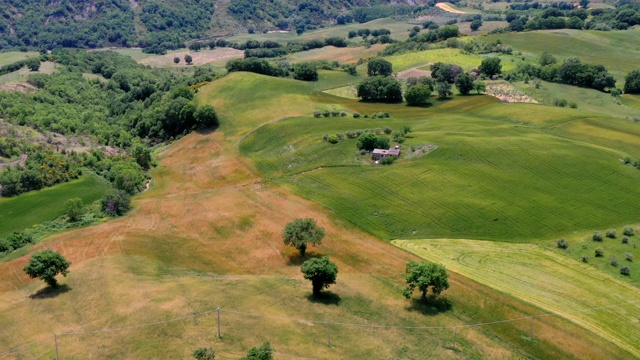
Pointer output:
322, 273
464, 83
417, 95
302, 232
632, 83
379, 66
380, 89
46, 265
423, 276
491, 66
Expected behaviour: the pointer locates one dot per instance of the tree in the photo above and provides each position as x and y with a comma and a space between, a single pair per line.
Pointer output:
444, 90
321, 272
264, 352
632, 82
584, 3
33, 64
547, 59
115, 202
479, 87
379, 66
206, 116
370, 141
142, 154
301, 232
380, 89
176, 60
73, 208
305, 72
46, 265
464, 83
417, 95
491, 66
475, 24
423, 276
188, 59
204, 353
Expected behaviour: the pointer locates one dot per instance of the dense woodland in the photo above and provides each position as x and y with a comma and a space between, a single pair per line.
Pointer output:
130, 107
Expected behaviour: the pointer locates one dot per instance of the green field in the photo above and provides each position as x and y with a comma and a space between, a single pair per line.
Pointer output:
616, 50
556, 284
35, 207
23, 74
512, 172
450, 56
13, 56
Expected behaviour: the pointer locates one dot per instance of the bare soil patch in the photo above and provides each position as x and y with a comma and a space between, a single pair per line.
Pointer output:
414, 72
18, 87
446, 7
507, 93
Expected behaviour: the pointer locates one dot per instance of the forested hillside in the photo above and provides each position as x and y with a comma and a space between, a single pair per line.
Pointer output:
161, 25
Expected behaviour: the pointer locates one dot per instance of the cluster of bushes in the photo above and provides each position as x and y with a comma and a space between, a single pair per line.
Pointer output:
421, 41
571, 72
627, 161
327, 113
32, 63
354, 134
611, 234
14, 242
269, 50
42, 169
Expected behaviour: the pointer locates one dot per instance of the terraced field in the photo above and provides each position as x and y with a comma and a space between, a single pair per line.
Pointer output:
556, 284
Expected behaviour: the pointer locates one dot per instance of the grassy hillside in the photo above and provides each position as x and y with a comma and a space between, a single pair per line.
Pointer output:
555, 283
207, 234
26, 210
616, 50
498, 173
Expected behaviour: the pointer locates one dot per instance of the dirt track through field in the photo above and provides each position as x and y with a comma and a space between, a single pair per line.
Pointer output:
446, 7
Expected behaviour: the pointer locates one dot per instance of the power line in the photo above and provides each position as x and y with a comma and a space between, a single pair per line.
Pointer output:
23, 346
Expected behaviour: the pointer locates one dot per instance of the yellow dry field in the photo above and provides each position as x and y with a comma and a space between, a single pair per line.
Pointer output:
555, 283
447, 7
217, 57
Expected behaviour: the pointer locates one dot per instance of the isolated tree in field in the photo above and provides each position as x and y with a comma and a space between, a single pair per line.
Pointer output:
379, 66
321, 272
264, 352
464, 83
547, 59
475, 24
417, 95
33, 64
423, 276
176, 60
46, 265
632, 83
204, 353
444, 90
115, 202
302, 232
491, 66
73, 208
188, 59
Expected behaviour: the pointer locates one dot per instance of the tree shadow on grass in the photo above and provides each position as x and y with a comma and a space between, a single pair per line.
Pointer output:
49, 292
297, 260
432, 306
326, 298
207, 130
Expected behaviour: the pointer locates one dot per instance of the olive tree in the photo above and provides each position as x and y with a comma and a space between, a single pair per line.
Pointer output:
301, 232
46, 265
423, 276
321, 272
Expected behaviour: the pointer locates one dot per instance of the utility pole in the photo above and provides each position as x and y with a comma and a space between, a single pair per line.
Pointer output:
219, 333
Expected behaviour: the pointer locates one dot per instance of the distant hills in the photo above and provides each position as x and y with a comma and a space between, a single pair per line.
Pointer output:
169, 23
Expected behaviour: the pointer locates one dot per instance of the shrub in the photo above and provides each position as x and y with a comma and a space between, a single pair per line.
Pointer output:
625, 240
613, 261
562, 244
115, 202
351, 134
584, 258
5, 246
378, 131
317, 114
388, 160
335, 113
356, 115
628, 256
325, 137
343, 114
624, 270
628, 231
333, 139
597, 236
599, 252
573, 105
326, 113
204, 353
19, 239
560, 102
611, 234
340, 136
398, 137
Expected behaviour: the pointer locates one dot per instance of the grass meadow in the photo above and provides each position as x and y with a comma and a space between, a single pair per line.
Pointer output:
595, 300
35, 207
13, 56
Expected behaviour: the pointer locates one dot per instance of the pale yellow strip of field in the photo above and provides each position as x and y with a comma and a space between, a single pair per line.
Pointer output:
557, 284
448, 8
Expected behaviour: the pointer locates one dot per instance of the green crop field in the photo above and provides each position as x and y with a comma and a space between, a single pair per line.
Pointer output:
22, 74
512, 172
451, 56
571, 289
616, 50
35, 207
13, 56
